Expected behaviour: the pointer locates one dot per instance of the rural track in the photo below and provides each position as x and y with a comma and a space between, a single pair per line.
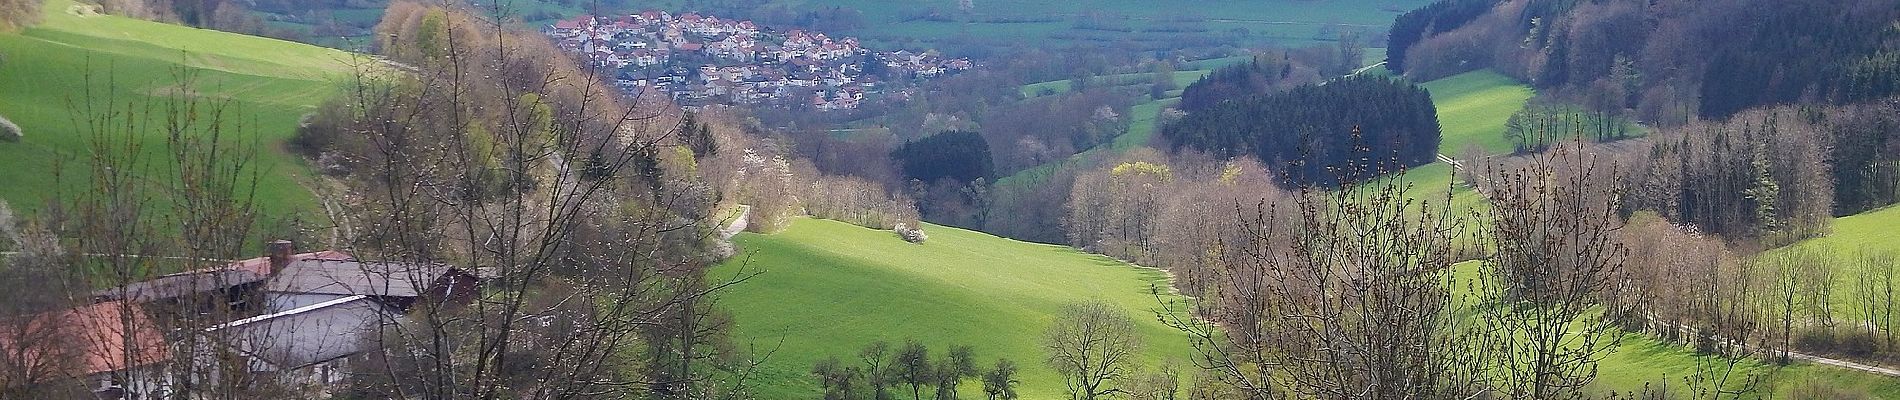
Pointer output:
1795, 355
1872, 369
738, 223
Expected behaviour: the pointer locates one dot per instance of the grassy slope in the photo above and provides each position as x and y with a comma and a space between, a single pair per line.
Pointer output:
1847, 240
1472, 108
1872, 230
1640, 360
828, 288
271, 82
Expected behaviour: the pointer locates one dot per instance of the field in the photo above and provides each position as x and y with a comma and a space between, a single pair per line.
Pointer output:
271, 84
827, 288
1849, 238
1472, 108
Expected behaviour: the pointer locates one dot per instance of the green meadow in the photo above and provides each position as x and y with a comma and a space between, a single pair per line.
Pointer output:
1472, 109
1847, 240
76, 58
825, 288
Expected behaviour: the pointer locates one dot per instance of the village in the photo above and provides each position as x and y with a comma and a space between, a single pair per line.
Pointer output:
700, 60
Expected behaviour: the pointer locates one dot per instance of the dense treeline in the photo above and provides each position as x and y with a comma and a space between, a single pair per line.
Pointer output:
1774, 174
1756, 175
1303, 131
1798, 49
1255, 77
949, 174
1864, 156
1439, 16
1672, 61
959, 156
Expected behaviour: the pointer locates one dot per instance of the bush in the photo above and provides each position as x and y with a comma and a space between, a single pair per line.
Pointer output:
8, 131
913, 235
1816, 389
1855, 342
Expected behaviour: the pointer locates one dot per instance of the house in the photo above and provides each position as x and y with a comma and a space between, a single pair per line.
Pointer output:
567, 27
320, 312
235, 273
397, 285
310, 346
112, 348
299, 320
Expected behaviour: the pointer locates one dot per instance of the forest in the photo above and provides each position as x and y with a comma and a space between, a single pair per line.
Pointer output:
1660, 60
1307, 131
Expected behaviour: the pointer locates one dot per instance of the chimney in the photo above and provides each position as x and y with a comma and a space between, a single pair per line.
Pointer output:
280, 251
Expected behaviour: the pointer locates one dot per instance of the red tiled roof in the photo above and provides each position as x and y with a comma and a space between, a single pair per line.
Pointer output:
101, 337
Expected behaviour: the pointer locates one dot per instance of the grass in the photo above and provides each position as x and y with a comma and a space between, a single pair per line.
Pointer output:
1853, 234
1472, 109
1641, 361
827, 288
271, 83
1848, 239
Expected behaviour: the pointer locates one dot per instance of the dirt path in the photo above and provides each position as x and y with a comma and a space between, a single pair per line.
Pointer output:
1872, 369
738, 223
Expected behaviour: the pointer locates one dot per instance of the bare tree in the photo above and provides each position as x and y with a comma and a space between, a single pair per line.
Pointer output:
877, 369
1093, 346
35, 353
1554, 282
958, 363
581, 212
1348, 297
912, 367
1000, 382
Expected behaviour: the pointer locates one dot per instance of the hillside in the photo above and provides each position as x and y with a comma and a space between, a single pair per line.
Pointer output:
1472, 109
826, 288
271, 83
